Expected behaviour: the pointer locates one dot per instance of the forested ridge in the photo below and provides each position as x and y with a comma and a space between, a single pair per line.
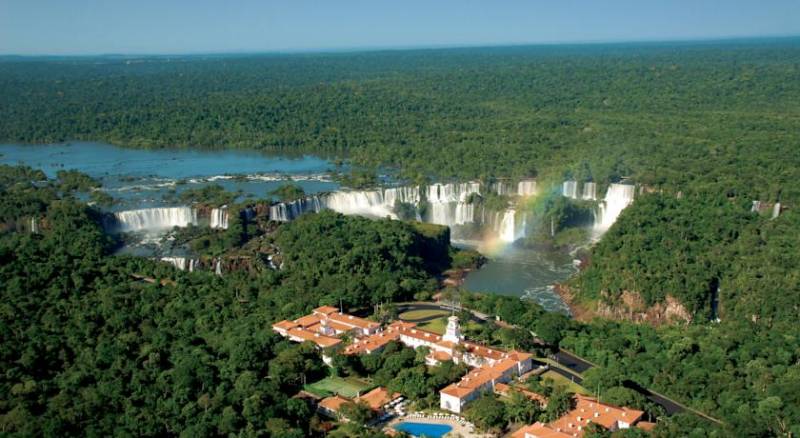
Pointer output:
714, 255
721, 115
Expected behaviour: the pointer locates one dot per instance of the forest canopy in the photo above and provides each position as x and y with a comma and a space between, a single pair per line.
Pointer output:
720, 115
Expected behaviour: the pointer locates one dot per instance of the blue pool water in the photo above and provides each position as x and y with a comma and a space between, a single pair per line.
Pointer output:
424, 429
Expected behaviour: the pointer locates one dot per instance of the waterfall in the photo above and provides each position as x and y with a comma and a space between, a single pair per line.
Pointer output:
219, 218
218, 267
286, 211
617, 198
182, 263
507, 232
756, 206
370, 203
776, 210
448, 203
570, 189
405, 195
444, 193
503, 188
589, 191
373, 203
154, 218
34, 225
526, 188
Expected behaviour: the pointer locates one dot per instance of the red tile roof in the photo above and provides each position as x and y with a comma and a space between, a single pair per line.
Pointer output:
646, 426
334, 403
320, 340
588, 410
325, 310
539, 430
352, 321
284, 325
308, 320
378, 397
372, 342
477, 378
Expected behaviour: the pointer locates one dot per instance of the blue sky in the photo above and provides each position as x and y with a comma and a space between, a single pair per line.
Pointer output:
211, 26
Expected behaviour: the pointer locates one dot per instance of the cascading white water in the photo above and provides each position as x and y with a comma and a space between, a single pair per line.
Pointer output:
589, 191
155, 218
507, 232
617, 198
286, 211
448, 203
373, 203
218, 267
405, 195
34, 225
181, 263
776, 210
526, 188
503, 188
444, 193
756, 206
219, 218
369, 203
570, 189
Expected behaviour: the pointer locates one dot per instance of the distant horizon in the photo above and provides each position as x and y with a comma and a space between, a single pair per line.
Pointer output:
359, 49
155, 27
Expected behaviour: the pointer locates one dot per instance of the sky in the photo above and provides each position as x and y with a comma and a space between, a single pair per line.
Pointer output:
81, 27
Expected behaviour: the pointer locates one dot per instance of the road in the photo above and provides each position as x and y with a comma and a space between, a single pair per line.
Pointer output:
575, 364
571, 366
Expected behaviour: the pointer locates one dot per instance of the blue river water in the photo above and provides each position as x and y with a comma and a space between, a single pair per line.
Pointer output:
139, 178
526, 273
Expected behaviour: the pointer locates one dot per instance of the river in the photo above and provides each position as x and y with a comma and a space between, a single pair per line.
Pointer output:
143, 178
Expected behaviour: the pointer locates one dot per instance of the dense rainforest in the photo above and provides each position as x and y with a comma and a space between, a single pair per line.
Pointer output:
703, 128
98, 345
711, 253
95, 344
723, 116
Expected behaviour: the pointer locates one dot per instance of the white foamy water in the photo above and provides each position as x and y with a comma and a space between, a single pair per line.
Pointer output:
154, 218
219, 218
617, 198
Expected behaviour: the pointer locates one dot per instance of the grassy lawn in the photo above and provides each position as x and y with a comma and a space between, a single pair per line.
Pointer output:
347, 386
562, 381
439, 325
419, 314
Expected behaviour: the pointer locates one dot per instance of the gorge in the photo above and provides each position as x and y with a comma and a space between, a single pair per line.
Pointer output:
489, 216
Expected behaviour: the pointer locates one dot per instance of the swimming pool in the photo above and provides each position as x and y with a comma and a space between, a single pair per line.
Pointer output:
424, 429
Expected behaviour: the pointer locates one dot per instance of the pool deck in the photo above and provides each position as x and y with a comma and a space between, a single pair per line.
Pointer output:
458, 430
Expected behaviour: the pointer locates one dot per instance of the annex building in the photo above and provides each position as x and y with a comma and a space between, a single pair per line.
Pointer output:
587, 410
